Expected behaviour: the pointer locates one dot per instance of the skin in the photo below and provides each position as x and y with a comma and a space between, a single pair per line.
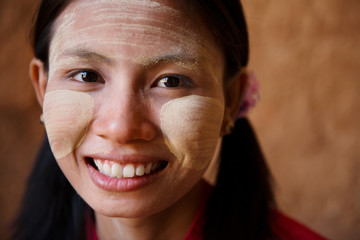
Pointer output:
191, 126
75, 110
129, 110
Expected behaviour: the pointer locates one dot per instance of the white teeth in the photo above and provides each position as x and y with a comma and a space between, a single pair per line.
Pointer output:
140, 170
129, 171
106, 169
153, 166
98, 163
116, 170
148, 168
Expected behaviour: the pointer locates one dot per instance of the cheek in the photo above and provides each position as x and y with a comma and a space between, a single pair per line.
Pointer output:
191, 126
67, 115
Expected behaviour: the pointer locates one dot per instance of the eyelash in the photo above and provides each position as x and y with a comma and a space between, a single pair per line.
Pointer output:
83, 73
181, 81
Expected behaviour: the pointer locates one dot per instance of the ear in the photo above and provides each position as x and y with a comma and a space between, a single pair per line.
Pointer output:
39, 78
234, 90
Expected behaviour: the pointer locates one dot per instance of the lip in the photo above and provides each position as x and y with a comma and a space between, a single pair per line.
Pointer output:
124, 158
113, 184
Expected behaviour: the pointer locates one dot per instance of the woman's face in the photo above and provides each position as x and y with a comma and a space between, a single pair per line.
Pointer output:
134, 103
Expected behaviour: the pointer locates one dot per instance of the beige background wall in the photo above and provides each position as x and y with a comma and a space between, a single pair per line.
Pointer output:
306, 55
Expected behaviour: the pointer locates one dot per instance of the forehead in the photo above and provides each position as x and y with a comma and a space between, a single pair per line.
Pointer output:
136, 25
150, 16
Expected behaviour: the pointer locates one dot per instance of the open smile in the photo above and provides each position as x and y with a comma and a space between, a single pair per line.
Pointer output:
126, 170
123, 176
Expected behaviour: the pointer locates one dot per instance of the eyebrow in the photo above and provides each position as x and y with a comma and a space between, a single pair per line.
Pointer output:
178, 58
88, 56
182, 59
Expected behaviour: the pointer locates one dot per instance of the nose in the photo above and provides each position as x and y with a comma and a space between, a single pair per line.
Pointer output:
123, 118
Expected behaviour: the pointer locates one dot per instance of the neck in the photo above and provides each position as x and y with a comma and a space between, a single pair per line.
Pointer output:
171, 223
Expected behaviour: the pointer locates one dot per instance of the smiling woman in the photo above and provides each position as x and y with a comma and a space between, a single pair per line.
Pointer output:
138, 98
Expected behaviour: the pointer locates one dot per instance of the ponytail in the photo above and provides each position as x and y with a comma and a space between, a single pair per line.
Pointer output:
239, 207
51, 209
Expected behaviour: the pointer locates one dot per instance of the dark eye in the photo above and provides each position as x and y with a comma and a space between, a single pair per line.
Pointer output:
173, 81
86, 76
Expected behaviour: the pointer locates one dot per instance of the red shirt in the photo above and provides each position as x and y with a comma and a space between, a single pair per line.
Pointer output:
283, 226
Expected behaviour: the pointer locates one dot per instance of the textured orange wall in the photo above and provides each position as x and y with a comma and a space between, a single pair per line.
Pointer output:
20, 130
306, 55
307, 58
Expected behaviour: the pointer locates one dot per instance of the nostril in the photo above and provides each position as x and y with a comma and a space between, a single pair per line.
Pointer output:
124, 130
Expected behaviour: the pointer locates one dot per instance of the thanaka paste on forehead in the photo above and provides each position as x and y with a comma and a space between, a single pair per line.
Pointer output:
183, 37
69, 17
191, 126
67, 115
134, 3
181, 44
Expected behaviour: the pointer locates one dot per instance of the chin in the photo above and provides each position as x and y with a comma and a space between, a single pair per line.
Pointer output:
127, 208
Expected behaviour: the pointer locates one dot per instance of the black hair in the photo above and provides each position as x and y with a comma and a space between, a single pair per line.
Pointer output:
241, 201
51, 209
41, 34
226, 22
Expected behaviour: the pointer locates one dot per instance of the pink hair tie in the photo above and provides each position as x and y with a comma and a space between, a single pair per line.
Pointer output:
251, 97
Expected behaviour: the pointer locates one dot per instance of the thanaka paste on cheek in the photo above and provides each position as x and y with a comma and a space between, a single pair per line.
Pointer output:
191, 126
67, 115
